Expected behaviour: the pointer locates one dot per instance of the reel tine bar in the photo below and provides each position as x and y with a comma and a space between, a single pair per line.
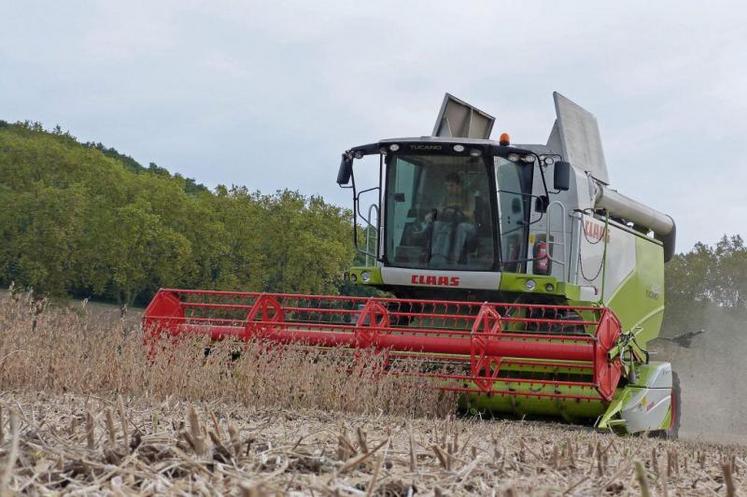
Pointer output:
487, 348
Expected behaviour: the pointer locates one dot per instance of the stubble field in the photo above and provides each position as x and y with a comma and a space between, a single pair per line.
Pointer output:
86, 411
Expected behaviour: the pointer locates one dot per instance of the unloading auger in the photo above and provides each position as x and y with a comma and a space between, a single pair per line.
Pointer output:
521, 280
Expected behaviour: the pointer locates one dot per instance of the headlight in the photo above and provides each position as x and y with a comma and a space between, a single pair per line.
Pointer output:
365, 276
530, 284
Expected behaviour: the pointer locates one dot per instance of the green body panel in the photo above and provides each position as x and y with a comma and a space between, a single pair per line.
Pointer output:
509, 282
639, 301
610, 419
667, 424
623, 399
374, 272
544, 285
639, 304
521, 404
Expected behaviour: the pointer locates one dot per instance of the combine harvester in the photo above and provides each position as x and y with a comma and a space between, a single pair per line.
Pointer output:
522, 280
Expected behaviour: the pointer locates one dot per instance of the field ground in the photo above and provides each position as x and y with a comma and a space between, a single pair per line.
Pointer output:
85, 411
74, 443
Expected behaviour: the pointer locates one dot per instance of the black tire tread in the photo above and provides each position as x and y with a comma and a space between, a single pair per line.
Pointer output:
674, 430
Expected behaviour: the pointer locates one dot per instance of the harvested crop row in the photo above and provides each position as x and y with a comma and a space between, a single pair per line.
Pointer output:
86, 409
110, 445
60, 350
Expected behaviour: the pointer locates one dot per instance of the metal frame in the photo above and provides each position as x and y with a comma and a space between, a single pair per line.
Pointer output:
473, 339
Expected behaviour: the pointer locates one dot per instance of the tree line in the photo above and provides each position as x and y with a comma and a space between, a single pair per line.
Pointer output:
84, 220
708, 278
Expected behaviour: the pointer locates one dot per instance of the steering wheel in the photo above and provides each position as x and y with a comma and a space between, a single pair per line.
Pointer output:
453, 213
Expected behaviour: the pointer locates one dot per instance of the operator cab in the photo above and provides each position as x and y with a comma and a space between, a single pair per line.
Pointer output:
455, 204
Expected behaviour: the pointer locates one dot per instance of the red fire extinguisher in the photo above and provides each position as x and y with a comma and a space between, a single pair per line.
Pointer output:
541, 258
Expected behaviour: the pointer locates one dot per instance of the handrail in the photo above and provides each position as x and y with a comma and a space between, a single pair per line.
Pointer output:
367, 252
559, 261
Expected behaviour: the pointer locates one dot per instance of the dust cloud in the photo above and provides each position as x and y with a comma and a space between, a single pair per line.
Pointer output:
712, 369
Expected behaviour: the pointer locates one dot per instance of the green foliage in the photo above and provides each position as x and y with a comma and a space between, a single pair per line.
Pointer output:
705, 279
84, 219
126, 160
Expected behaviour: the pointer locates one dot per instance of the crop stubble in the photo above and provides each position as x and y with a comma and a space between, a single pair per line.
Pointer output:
85, 410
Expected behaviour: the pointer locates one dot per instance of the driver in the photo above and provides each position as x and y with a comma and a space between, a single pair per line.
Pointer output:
453, 225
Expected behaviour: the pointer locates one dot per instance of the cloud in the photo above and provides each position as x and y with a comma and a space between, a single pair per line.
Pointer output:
269, 94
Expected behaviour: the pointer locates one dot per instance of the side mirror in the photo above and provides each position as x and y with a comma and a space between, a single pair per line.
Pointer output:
345, 171
541, 204
562, 176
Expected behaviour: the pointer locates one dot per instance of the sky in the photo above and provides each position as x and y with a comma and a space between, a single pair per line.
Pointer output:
268, 94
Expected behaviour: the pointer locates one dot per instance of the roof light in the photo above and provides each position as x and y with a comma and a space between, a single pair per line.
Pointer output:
458, 148
549, 161
393, 147
475, 152
528, 158
513, 157
504, 140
